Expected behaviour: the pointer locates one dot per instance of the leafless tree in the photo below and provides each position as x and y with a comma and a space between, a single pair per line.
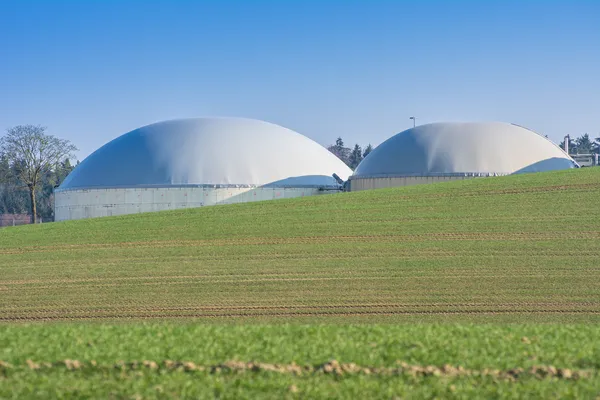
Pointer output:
34, 153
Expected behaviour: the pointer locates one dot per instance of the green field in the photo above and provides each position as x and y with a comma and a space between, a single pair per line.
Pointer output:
448, 269
508, 249
392, 361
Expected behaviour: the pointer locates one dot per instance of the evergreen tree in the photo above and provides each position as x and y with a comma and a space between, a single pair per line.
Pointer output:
368, 149
64, 169
343, 153
13, 199
572, 145
583, 144
355, 157
5, 171
50, 181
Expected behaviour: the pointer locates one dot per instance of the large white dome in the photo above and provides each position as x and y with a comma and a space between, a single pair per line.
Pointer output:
471, 149
208, 151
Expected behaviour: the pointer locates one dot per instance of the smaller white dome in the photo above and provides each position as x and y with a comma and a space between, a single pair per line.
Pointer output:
472, 149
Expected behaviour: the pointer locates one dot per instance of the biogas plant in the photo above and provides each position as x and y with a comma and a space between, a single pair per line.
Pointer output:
197, 162
454, 151
207, 161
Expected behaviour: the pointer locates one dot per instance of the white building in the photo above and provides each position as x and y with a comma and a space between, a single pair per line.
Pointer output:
194, 163
450, 151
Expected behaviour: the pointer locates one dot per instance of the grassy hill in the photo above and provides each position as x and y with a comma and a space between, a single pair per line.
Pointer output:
190, 303
511, 249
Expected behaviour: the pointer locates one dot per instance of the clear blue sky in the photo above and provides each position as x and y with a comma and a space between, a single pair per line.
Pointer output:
92, 70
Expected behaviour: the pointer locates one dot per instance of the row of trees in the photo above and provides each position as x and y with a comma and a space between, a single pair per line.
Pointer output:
582, 145
32, 163
351, 157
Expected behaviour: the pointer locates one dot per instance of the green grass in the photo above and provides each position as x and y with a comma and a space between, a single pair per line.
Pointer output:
474, 347
434, 274
518, 248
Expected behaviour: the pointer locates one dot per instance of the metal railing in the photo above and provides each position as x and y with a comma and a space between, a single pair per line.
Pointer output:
16, 221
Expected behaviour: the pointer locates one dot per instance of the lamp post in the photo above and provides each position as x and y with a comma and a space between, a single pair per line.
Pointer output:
414, 119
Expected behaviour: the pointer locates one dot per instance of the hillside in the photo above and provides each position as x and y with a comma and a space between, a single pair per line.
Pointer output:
518, 248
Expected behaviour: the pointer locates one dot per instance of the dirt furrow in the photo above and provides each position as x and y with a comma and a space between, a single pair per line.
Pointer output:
316, 239
397, 254
562, 306
133, 316
246, 280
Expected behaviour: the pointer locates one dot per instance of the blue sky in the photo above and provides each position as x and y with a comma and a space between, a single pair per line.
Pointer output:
93, 70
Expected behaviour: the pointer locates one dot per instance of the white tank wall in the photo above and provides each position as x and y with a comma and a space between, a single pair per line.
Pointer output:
358, 184
91, 203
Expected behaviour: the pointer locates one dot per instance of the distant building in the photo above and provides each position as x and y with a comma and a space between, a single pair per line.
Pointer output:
454, 151
585, 160
194, 163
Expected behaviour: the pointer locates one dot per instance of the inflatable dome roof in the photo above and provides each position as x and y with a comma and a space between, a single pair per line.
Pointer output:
477, 149
208, 151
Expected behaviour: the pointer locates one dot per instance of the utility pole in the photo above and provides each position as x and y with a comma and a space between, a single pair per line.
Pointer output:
414, 119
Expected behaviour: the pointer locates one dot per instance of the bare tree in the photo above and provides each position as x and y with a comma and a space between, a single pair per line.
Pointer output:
34, 153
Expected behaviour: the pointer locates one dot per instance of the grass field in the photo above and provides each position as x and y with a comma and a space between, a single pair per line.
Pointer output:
509, 249
219, 287
391, 361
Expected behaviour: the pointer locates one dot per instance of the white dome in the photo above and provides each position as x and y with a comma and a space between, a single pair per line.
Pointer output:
474, 149
208, 151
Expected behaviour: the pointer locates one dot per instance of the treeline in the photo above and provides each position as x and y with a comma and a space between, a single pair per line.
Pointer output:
14, 196
351, 157
582, 145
